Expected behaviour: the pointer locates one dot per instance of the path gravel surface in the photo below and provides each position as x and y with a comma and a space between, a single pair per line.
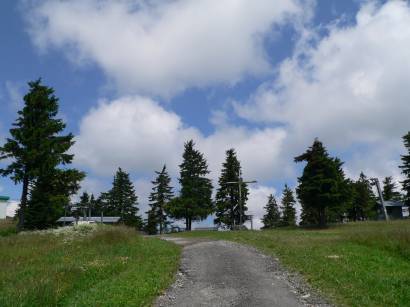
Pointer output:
221, 273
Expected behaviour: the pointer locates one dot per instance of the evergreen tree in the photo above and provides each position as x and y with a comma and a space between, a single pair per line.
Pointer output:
161, 194
151, 223
35, 148
320, 186
271, 219
288, 208
389, 189
194, 201
121, 200
49, 197
405, 169
364, 200
228, 208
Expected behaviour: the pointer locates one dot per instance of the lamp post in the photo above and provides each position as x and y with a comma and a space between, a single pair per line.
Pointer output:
376, 182
240, 182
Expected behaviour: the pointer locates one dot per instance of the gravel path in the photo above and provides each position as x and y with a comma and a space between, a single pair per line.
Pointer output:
220, 273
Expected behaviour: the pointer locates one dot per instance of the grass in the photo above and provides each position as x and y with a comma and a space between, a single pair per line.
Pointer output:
7, 227
358, 264
91, 266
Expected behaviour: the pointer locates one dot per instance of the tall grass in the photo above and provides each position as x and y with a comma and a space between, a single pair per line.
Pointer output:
358, 264
97, 266
7, 227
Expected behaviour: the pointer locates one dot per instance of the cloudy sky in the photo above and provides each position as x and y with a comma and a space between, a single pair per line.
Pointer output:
137, 78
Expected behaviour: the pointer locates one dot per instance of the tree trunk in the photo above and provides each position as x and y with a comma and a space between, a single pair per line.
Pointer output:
23, 204
322, 217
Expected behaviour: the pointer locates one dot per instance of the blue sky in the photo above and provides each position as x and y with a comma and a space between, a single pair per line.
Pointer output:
137, 78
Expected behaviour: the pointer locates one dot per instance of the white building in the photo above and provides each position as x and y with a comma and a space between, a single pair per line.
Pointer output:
4, 200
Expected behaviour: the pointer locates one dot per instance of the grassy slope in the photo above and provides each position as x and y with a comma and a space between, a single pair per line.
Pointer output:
112, 266
360, 264
7, 227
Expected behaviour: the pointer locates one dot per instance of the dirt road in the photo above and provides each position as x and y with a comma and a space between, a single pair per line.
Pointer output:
220, 273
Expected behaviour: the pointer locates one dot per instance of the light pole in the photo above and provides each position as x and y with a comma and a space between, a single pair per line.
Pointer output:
375, 181
240, 182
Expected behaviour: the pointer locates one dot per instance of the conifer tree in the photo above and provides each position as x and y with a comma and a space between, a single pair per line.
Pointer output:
194, 202
121, 200
364, 201
36, 148
271, 219
151, 223
320, 186
288, 208
389, 189
405, 169
161, 195
228, 208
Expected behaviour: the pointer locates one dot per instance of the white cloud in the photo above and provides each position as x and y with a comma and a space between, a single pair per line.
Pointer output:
12, 207
258, 197
349, 88
162, 47
139, 135
14, 94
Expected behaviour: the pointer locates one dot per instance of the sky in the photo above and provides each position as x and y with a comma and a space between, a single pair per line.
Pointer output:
138, 78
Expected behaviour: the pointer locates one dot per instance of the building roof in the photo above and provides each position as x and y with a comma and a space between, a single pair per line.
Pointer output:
393, 203
4, 198
106, 219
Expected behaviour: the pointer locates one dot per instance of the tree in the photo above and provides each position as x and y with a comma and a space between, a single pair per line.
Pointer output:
151, 223
161, 194
320, 186
121, 200
49, 197
194, 202
228, 208
405, 169
389, 189
288, 208
35, 146
271, 219
364, 200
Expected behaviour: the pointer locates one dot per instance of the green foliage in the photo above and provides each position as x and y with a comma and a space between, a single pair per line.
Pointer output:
405, 169
271, 219
36, 148
151, 223
364, 201
49, 196
389, 189
121, 200
194, 202
228, 208
109, 266
7, 227
288, 208
357, 264
161, 194
322, 186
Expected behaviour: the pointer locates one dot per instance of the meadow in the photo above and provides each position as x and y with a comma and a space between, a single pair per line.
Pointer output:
356, 264
84, 266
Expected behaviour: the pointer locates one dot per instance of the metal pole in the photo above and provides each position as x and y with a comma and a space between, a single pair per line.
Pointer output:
376, 181
240, 199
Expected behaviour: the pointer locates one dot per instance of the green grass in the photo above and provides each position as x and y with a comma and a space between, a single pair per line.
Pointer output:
358, 264
111, 266
7, 227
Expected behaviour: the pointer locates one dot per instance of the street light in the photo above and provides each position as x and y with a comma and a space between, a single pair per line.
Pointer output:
375, 181
239, 183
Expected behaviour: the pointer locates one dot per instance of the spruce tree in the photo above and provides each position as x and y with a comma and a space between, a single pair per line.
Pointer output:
50, 196
194, 202
364, 201
150, 225
161, 195
405, 169
319, 186
121, 200
389, 189
228, 208
288, 208
36, 147
271, 219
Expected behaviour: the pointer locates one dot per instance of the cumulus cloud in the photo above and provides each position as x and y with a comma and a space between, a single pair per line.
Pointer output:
258, 197
162, 47
139, 135
348, 88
